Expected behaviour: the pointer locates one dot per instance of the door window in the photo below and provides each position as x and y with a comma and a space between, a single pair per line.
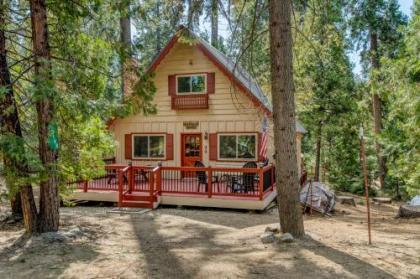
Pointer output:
192, 146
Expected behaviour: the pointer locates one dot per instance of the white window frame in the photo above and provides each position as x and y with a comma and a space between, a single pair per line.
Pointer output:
237, 135
191, 93
148, 147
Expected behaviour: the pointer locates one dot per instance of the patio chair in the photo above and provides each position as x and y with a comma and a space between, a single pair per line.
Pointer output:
246, 183
202, 177
112, 175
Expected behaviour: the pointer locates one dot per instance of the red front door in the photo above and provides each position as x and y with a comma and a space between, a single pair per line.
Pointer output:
191, 149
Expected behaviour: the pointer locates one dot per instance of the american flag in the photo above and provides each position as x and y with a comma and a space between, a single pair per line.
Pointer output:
264, 138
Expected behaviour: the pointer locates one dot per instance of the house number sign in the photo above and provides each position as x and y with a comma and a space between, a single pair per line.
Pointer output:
190, 125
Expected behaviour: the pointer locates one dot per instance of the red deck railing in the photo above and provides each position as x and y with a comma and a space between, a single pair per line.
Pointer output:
205, 181
198, 101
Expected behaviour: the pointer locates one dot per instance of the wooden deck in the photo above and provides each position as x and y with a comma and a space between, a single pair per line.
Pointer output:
207, 187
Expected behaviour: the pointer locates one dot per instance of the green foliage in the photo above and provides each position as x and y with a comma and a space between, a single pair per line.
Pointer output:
380, 17
83, 86
326, 94
400, 88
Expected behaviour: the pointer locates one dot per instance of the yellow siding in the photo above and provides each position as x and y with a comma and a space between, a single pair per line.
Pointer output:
229, 110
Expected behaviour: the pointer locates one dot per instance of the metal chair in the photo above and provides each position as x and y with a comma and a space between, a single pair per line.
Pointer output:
246, 182
202, 177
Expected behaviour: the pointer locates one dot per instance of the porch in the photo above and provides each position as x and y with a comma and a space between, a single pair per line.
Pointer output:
139, 186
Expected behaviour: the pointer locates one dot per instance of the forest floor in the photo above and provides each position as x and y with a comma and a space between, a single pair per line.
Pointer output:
209, 243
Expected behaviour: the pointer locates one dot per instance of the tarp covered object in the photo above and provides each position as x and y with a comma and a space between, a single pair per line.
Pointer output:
318, 196
415, 201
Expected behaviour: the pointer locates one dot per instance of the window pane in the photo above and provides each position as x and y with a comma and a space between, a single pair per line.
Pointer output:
197, 83
184, 84
140, 146
157, 147
227, 147
246, 146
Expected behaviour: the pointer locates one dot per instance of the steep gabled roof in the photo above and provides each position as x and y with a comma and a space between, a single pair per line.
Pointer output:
241, 78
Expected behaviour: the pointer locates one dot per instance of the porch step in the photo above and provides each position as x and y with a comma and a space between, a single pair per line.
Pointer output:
137, 204
134, 197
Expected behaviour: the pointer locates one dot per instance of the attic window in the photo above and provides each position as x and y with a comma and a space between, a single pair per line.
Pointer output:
191, 84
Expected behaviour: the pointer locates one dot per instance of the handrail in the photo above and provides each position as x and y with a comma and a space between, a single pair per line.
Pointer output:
169, 179
193, 169
121, 184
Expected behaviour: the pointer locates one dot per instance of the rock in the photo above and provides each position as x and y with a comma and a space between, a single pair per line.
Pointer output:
287, 238
74, 233
382, 200
346, 200
267, 237
273, 230
54, 236
409, 211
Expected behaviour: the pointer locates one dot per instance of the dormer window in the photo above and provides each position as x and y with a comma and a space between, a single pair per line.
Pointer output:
191, 84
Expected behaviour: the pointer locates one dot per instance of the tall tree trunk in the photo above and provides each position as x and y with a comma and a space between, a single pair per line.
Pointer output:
214, 23
125, 37
23, 202
30, 216
318, 152
158, 31
8, 112
49, 203
282, 87
190, 24
376, 110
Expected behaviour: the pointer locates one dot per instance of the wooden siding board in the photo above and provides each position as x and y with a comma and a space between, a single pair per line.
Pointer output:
228, 111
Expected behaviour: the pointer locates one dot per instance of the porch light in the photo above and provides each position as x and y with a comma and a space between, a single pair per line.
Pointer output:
206, 135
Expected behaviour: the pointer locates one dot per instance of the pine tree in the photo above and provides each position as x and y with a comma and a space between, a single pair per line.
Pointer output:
375, 26
291, 220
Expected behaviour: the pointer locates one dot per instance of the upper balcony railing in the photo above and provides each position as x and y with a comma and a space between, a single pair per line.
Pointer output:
197, 101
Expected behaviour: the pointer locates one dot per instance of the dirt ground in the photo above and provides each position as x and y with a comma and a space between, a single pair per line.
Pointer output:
205, 243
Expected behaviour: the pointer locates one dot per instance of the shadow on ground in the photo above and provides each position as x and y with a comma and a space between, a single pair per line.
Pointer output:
188, 245
38, 257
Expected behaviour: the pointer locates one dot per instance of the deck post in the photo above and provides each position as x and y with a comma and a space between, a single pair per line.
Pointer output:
261, 182
120, 187
210, 182
85, 186
151, 181
130, 177
159, 180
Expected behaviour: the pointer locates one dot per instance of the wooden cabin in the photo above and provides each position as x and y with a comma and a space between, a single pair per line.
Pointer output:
208, 111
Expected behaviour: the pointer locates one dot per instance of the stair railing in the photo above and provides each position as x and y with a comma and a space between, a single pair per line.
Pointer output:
121, 183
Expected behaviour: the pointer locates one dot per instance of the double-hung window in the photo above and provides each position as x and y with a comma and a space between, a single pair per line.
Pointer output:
149, 146
191, 84
241, 147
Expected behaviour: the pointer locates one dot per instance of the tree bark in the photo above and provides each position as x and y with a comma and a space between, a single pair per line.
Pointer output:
125, 38
30, 216
10, 124
8, 111
376, 110
290, 212
158, 31
214, 23
318, 152
49, 199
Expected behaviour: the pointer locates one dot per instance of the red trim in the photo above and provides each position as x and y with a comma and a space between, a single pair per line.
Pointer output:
183, 145
231, 77
163, 53
212, 58
110, 123
150, 159
237, 160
